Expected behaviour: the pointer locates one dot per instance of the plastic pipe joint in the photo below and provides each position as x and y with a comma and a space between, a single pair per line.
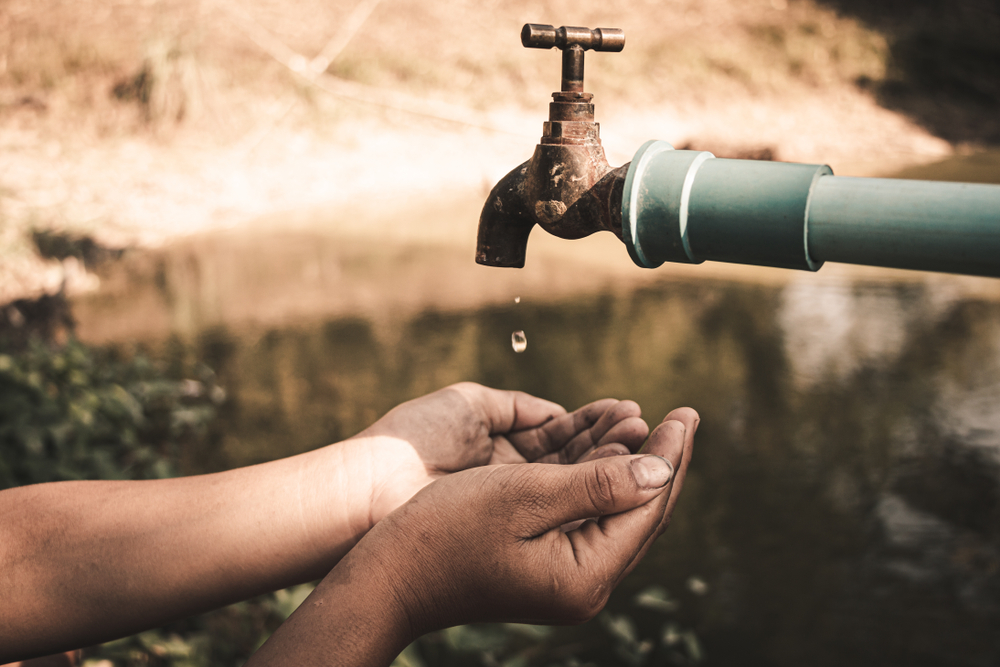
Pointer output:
688, 206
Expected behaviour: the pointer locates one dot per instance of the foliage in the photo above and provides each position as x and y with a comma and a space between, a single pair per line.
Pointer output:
222, 638
70, 413
642, 632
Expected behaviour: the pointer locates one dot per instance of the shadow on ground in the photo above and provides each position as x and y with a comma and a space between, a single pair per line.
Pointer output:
944, 63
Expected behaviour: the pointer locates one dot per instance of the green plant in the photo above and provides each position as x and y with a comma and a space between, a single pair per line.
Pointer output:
70, 413
643, 632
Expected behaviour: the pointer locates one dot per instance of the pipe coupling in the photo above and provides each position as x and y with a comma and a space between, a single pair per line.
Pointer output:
689, 206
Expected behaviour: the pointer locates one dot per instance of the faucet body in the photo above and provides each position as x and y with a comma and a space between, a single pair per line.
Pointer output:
567, 187
688, 206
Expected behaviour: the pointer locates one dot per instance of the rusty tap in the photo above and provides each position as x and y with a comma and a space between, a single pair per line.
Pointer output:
567, 187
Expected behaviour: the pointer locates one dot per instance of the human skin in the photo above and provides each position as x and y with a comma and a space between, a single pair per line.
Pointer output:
86, 562
487, 544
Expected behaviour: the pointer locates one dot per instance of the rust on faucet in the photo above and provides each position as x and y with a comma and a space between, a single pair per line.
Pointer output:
567, 187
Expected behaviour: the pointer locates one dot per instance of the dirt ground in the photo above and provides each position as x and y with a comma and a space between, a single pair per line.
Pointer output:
134, 124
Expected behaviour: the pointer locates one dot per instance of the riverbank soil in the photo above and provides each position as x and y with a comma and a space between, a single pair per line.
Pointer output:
133, 125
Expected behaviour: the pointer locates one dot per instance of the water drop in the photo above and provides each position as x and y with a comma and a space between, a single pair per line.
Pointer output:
518, 341
517, 299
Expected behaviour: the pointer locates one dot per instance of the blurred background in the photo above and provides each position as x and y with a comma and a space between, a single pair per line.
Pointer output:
234, 230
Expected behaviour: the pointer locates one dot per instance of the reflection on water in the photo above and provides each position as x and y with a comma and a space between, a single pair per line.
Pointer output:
844, 503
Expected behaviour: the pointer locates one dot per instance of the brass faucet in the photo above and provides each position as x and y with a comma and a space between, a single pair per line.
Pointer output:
567, 187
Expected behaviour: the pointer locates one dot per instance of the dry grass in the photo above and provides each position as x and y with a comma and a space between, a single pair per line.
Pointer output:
141, 120
463, 51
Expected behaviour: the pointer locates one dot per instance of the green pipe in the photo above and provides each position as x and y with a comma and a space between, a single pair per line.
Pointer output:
689, 206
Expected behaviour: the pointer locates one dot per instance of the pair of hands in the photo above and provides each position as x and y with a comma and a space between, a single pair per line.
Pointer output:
468, 426
490, 540
420, 530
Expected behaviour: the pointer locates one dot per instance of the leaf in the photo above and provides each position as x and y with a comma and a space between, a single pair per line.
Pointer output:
288, 600
476, 637
620, 626
408, 658
656, 598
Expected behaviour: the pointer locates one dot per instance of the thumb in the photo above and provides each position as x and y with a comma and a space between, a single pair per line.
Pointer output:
595, 488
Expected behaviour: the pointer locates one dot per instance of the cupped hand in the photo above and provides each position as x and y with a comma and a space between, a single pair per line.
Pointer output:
486, 545
468, 425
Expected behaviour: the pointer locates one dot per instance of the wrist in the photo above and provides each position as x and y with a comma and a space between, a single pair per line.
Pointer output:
356, 616
394, 472
331, 487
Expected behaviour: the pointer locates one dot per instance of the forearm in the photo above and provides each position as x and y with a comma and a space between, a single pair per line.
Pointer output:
354, 617
83, 562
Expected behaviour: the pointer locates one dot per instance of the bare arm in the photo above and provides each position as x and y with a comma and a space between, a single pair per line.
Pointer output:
85, 562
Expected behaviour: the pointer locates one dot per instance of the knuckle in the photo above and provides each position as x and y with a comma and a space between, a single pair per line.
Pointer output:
465, 387
596, 599
601, 488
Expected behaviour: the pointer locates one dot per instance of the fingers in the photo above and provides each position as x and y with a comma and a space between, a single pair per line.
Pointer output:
664, 441
618, 413
630, 432
567, 439
621, 422
536, 444
529, 412
690, 419
505, 411
615, 544
561, 494
604, 451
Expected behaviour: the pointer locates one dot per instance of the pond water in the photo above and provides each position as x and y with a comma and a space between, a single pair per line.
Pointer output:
843, 506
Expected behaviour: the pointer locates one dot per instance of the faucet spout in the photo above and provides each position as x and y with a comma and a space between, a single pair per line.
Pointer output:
567, 188
584, 200
505, 223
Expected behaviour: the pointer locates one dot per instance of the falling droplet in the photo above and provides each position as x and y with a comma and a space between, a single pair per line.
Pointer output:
518, 341
517, 299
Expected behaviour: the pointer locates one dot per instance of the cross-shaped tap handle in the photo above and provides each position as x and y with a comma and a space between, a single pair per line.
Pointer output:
573, 41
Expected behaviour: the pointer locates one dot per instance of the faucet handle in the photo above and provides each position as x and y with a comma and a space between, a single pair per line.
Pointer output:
573, 41
538, 36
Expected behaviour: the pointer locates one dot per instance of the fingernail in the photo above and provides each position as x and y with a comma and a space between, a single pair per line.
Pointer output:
652, 472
